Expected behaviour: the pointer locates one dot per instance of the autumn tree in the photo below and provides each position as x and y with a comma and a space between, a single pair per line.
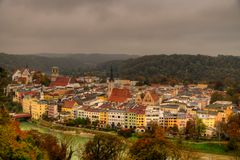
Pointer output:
13, 142
54, 149
154, 146
104, 146
233, 127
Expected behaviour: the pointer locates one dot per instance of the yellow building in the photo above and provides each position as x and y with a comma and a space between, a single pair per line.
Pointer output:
202, 86
209, 122
223, 116
103, 118
34, 107
170, 120
224, 110
50, 97
70, 107
27, 103
141, 119
38, 109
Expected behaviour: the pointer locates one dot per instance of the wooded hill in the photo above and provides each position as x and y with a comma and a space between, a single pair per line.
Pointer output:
152, 68
68, 63
188, 68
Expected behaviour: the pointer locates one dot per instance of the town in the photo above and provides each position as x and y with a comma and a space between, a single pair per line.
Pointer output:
117, 103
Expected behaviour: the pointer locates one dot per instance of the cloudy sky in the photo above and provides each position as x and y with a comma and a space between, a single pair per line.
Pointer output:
120, 26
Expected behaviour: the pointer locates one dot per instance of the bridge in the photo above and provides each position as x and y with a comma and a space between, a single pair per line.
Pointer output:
21, 116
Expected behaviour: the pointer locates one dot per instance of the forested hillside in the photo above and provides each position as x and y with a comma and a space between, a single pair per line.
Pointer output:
152, 68
188, 68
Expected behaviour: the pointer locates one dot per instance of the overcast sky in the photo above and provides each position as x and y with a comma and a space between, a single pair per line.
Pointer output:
120, 26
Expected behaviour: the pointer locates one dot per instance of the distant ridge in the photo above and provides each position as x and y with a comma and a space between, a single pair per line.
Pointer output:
66, 62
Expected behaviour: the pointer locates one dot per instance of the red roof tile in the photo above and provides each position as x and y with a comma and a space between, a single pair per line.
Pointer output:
69, 104
119, 95
30, 93
139, 109
60, 81
154, 96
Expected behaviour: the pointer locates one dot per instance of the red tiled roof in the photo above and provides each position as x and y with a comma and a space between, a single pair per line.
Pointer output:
60, 81
154, 96
31, 93
119, 95
69, 104
105, 106
139, 109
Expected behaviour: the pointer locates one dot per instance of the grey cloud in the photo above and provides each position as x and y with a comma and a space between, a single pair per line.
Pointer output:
131, 26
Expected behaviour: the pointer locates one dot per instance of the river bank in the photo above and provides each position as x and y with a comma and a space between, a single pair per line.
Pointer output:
80, 138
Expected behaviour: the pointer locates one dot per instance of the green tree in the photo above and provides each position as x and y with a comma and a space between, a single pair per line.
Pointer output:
216, 96
195, 128
234, 147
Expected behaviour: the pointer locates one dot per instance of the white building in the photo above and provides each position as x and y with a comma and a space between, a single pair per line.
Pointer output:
23, 76
153, 114
116, 118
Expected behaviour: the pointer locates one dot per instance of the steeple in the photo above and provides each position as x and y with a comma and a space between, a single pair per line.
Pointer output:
42, 94
110, 83
111, 79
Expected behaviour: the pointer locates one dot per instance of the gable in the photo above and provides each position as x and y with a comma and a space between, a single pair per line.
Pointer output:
139, 98
148, 98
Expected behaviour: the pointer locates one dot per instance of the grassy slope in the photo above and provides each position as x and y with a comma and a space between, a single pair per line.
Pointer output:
206, 147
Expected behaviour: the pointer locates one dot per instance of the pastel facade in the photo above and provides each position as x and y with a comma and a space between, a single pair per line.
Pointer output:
38, 109
103, 118
70, 106
26, 104
154, 114
53, 111
116, 118
130, 120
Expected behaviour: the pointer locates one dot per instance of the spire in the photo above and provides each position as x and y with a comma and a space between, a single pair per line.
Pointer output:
111, 75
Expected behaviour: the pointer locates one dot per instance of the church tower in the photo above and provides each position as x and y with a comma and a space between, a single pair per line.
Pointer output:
42, 94
55, 73
110, 83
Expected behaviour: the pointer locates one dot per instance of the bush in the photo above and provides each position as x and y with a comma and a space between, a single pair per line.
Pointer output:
127, 133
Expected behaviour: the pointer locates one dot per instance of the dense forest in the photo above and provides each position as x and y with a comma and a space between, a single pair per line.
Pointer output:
178, 68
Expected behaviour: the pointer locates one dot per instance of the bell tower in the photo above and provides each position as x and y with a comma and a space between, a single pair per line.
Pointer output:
55, 73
